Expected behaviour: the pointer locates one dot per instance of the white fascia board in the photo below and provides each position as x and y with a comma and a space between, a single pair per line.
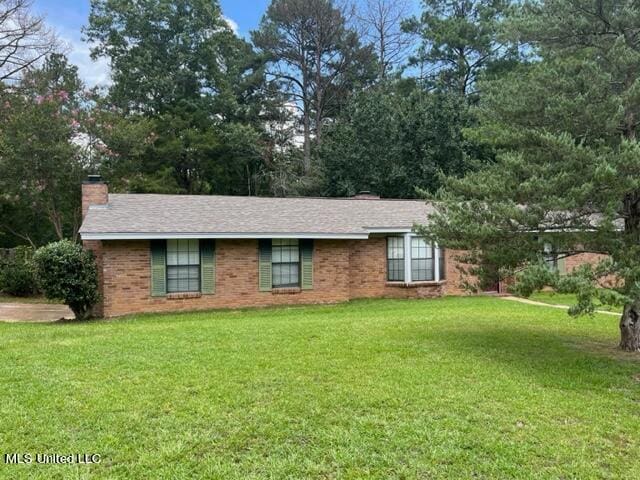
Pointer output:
388, 230
182, 235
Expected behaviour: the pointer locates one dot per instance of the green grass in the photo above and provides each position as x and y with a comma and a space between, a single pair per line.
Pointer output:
448, 388
566, 299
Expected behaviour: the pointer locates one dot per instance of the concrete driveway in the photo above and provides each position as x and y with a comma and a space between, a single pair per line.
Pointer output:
33, 312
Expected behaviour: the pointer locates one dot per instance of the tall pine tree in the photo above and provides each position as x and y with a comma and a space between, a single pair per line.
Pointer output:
568, 168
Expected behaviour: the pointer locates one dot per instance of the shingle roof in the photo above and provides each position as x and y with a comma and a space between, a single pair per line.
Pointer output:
152, 216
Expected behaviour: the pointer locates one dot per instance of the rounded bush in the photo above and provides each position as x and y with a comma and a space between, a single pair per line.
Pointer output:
67, 272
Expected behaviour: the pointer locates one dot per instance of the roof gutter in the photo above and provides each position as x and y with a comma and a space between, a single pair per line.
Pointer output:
183, 235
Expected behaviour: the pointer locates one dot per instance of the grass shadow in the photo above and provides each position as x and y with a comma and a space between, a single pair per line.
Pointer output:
551, 358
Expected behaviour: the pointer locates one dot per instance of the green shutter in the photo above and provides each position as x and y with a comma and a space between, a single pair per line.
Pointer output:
562, 268
158, 268
306, 264
264, 265
207, 266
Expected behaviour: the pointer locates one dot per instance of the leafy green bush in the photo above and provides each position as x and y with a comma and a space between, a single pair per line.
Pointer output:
67, 272
17, 273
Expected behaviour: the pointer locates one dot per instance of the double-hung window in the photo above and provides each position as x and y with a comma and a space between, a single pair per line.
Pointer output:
183, 265
285, 263
421, 260
395, 259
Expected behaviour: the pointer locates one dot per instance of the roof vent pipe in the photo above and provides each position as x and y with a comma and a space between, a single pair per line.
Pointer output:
94, 179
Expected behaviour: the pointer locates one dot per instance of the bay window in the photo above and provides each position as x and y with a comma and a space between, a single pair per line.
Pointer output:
412, 259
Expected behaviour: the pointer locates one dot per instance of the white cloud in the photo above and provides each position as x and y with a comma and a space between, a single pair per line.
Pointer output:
96, 73
233, 25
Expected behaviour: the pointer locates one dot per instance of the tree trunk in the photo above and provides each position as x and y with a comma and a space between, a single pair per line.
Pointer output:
319, 98
318, 132
306, 160
383, 65
81, 312
306, 117
630, 328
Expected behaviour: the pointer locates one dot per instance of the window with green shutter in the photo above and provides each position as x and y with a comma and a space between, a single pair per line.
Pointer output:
285, 263
553, 259
182, 265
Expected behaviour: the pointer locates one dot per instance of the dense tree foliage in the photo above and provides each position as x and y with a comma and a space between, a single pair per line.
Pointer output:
41, 164
316, 58
460, 40
167, 54
189, 110
392, 140
568, 169
186, 94
309, 108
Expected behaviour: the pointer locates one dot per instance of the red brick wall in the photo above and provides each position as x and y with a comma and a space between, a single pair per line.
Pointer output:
342, 270
367, 273
127, 278
455, 277
592, 258
576, 260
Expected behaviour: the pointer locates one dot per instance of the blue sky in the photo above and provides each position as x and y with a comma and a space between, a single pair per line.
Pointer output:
69, 16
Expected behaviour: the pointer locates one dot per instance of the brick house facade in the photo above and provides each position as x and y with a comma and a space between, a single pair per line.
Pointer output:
341, 272
341, 268
250, 251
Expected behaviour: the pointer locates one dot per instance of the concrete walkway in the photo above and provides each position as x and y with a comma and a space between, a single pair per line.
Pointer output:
542, 304
33, 312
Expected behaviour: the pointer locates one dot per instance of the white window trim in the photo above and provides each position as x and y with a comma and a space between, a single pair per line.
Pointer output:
407, 257
436, 262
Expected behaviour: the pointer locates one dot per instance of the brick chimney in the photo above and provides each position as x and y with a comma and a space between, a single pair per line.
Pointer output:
94, 192
366, 195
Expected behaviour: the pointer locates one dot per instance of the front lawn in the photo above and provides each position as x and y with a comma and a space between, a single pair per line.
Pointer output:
449, 388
